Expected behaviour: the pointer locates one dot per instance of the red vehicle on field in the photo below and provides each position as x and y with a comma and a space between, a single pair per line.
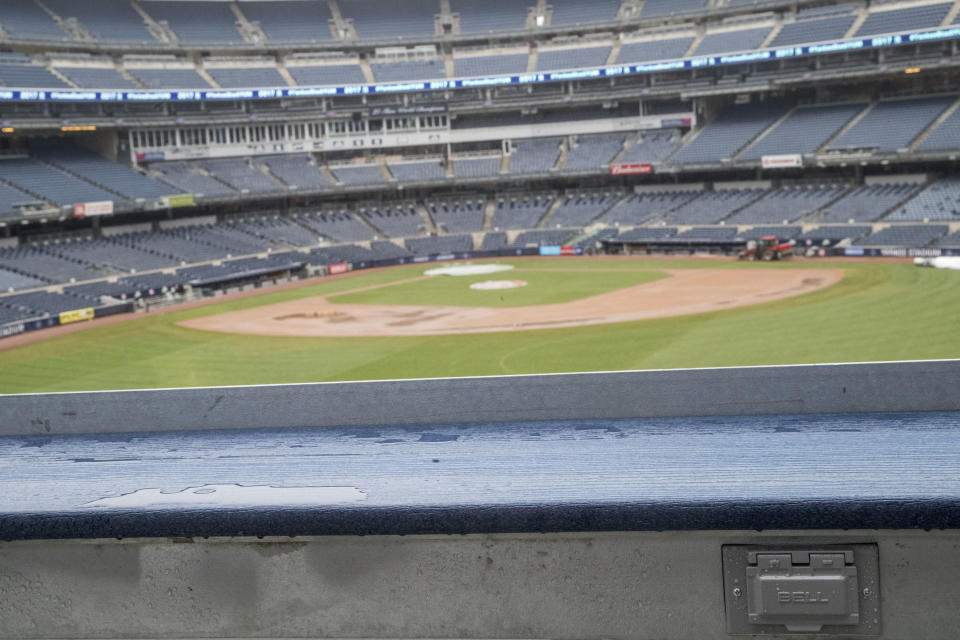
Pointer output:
766, 248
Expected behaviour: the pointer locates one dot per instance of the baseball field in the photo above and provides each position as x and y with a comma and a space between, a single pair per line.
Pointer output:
541, 315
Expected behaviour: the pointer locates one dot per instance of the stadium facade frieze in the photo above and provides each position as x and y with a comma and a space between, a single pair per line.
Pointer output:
615, 71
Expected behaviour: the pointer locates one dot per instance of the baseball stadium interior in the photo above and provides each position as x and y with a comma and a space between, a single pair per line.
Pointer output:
161, 148
255, 381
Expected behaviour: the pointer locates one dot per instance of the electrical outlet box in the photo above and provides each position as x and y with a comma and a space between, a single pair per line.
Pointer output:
820, 589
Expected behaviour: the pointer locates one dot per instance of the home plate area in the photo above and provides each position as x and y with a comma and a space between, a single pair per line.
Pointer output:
493, 285
684, 291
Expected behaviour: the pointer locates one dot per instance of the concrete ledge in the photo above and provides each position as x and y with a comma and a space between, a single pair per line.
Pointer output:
932, 385
620, 586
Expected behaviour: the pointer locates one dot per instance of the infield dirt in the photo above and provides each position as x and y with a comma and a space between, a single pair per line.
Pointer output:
684, 292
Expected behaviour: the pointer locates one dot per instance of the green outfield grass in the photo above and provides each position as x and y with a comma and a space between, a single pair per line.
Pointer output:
878, 312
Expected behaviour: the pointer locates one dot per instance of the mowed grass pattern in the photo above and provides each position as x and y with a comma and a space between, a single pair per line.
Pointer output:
880, 311
543, 287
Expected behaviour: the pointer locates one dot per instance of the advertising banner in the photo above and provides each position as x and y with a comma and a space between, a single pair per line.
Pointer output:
181, 200
77, 315
631, 168
86, 209
782, 161
22, 326
12, 329
150, 156
340, 267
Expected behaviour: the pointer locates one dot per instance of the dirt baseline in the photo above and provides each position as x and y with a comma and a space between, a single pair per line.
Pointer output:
684, 292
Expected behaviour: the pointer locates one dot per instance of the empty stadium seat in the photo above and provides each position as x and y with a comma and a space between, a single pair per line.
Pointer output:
713, 206
804, 131
520, 212
905, 236
197, 22
658, 49
730, 131
458, 215
418, 171
874, 132
939, 201
26, 19
105, 20
639, 208
534, 155
869, 203
581, 209
391, 19
301, 21
593, 153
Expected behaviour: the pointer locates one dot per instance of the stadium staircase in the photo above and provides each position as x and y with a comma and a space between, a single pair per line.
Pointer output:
73, 33
427, 218
48, 65
161, 33
448, 66
614, 52
777, 27
862, 14
701, 34
250, 32
340, 25
367, 70
373, 229
265, 168
206, 76
552, 209
763, 134
933, 125
118, 65
385, 172
628, 142
562, 156
285, 73
532, 59
952, 14
325, 170
814, 216
488, 211
850, 125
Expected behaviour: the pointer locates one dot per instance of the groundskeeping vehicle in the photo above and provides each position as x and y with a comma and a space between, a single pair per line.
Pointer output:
766, 248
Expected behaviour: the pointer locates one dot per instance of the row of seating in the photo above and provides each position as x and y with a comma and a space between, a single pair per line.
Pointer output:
60, 173
204, 22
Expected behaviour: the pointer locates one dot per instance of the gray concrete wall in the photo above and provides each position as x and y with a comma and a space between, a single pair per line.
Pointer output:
639, 586
841, 388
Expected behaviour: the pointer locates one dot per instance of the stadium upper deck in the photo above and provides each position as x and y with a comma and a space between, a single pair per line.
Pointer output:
111, 38
228, 24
